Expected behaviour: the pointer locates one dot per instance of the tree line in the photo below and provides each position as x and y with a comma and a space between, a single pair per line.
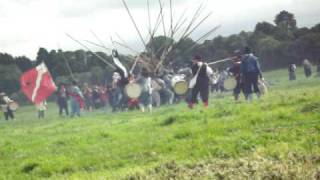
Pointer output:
276, 44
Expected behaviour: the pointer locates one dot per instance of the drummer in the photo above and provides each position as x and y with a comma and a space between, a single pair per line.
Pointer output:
4, 103
235, 71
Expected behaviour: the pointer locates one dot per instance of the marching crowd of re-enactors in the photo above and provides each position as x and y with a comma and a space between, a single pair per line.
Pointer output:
245, 69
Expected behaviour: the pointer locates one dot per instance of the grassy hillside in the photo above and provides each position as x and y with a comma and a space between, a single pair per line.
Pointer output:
275, 137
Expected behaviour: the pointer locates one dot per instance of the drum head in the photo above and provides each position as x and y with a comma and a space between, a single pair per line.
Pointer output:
180, 87
133, 90
13, 106
230, 83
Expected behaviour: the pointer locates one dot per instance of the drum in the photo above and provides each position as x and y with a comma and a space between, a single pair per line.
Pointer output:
230, 83
13, 106
179, 85
132, 90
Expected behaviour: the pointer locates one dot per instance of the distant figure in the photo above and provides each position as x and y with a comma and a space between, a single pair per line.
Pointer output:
200, 81
96, 97
145, 100
62, 100
41, 107
167, 89
292, 71
4, 103
250, 72
77, 101
223, 75
118, 99
307, 68
88, 97
235, 71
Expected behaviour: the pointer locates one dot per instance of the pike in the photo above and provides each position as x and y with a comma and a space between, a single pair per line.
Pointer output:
171, 18
67, 63
97, 55
185, 34
134, 23
127, 47
100, 41
201, 38
194, 18
98, 45
149, 17
222, 60
68, 66
181, 20
162, 17
157, 24
202, 20
124, 44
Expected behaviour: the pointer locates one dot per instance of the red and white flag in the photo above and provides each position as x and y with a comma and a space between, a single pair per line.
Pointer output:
37, 84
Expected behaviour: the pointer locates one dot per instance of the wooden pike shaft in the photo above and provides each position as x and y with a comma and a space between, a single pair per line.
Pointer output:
134, 23
98, 45
162, 18
97, 55
100, 41
222, 60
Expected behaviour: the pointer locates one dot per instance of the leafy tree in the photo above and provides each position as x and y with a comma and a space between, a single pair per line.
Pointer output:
265, 28
23, 63
286, 20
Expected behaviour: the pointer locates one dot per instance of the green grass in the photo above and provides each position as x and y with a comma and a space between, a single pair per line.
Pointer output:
275, 137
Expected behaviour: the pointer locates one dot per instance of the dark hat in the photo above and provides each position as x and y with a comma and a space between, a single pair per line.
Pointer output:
197, 57
247, 50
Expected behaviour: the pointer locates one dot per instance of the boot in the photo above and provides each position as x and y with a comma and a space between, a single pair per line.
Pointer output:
205, 104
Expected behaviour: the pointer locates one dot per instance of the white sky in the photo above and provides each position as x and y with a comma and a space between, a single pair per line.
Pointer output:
27, 25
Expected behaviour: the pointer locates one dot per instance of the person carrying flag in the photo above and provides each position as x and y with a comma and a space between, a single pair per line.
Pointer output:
120, 79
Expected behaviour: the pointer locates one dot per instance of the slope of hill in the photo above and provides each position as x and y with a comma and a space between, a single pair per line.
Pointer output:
273, 138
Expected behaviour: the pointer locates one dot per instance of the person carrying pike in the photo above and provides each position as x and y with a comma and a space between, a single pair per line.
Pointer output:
250, 74
235, 70
200, 81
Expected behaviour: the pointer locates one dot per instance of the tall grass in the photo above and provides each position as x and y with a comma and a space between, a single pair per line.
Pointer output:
274, 137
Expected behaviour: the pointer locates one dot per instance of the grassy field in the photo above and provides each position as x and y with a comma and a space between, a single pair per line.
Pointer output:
277, 137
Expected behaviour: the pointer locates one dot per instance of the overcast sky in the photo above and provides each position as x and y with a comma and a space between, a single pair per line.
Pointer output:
27, 25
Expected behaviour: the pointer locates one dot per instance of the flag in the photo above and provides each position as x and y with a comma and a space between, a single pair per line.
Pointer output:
37, 84
116, 60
